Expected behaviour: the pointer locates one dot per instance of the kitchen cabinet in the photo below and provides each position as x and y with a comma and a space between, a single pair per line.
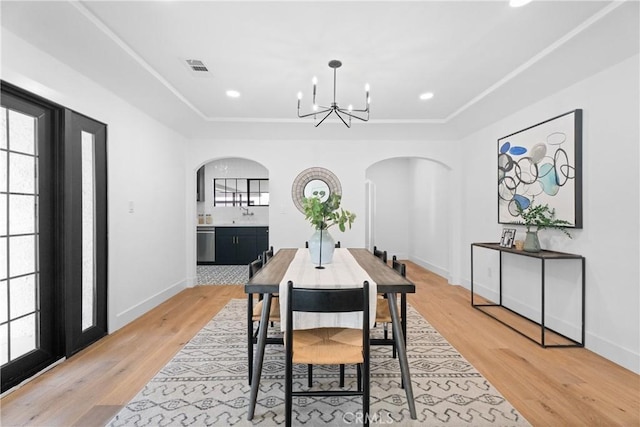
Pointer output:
240, 245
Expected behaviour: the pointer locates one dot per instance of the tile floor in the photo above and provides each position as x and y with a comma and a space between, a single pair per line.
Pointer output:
222, 274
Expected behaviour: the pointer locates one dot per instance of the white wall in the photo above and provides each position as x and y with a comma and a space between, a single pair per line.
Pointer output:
610, 237
145, 166
391, 207
284, 160
430, 223
411, 210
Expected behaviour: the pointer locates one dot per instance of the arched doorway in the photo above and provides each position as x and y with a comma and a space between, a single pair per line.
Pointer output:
232, 207
408, 210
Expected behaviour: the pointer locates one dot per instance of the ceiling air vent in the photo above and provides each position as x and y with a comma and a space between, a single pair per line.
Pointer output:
197, 65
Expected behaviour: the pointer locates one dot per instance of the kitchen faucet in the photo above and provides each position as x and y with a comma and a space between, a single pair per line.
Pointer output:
246, 211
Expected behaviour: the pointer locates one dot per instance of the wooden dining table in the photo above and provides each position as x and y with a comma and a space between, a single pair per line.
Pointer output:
389, 282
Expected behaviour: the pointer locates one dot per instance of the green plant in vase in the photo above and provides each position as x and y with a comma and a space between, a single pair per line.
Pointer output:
539, 217
322, 215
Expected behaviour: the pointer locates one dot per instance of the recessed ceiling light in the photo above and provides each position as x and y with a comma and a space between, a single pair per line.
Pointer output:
426, 95
518, 3
233, 94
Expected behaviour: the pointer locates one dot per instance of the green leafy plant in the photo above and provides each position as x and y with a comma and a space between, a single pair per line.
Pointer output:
541, 217
323, 215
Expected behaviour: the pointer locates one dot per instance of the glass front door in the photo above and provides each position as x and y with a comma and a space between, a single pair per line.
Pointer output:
27, 283
53, 233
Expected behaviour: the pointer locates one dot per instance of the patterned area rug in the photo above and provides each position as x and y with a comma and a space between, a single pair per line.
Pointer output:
206, 385
222, 274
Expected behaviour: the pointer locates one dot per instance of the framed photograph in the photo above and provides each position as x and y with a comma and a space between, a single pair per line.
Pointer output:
542, 162
508, 237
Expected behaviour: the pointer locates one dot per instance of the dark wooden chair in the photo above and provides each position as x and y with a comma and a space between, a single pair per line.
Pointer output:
398, 266
255, 314
306, 244
267, 255
383, 315
380, 254
319, 346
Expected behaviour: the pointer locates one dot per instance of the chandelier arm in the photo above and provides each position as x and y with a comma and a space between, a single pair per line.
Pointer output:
366, 110
341, 118
346, 112
314, 113
334, 108
328, 114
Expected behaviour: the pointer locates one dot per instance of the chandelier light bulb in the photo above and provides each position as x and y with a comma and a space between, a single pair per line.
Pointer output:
299, 95
315, 107
350, 108
366, 87
314, 80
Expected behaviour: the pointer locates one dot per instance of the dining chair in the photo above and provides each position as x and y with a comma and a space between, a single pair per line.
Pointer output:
398, 266
383, 315
256, 312
267, 255
327, 346
380, 254
306, 244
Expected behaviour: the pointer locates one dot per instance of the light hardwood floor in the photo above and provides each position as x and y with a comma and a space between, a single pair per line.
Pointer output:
550, 387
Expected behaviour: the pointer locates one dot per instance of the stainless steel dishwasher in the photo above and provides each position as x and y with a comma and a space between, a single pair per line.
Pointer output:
206, 245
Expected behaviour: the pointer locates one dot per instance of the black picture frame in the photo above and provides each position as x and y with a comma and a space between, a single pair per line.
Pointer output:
542, 164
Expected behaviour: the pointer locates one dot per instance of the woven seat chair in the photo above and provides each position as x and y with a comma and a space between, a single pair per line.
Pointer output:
382, 310
306, 244
380, 254
267, 255
256, 313
383, 315
328, 346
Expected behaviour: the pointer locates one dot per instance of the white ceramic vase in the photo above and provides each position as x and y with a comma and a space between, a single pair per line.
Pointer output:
326, 250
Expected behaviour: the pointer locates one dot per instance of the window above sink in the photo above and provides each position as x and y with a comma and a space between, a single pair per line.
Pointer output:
240, 192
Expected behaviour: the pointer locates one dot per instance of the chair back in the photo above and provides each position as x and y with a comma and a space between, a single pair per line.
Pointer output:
254, 267
267, 255
380, 254
329, 300
399, 267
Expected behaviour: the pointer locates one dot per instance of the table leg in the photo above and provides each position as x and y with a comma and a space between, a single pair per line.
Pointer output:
250, 335
398, 336
259, 358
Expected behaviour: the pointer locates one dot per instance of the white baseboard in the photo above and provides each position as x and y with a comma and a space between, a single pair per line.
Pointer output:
191, 282
601, 346
431, 267
127, 316
613, 352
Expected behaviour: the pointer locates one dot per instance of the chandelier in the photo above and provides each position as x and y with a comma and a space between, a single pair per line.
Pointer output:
344, 114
